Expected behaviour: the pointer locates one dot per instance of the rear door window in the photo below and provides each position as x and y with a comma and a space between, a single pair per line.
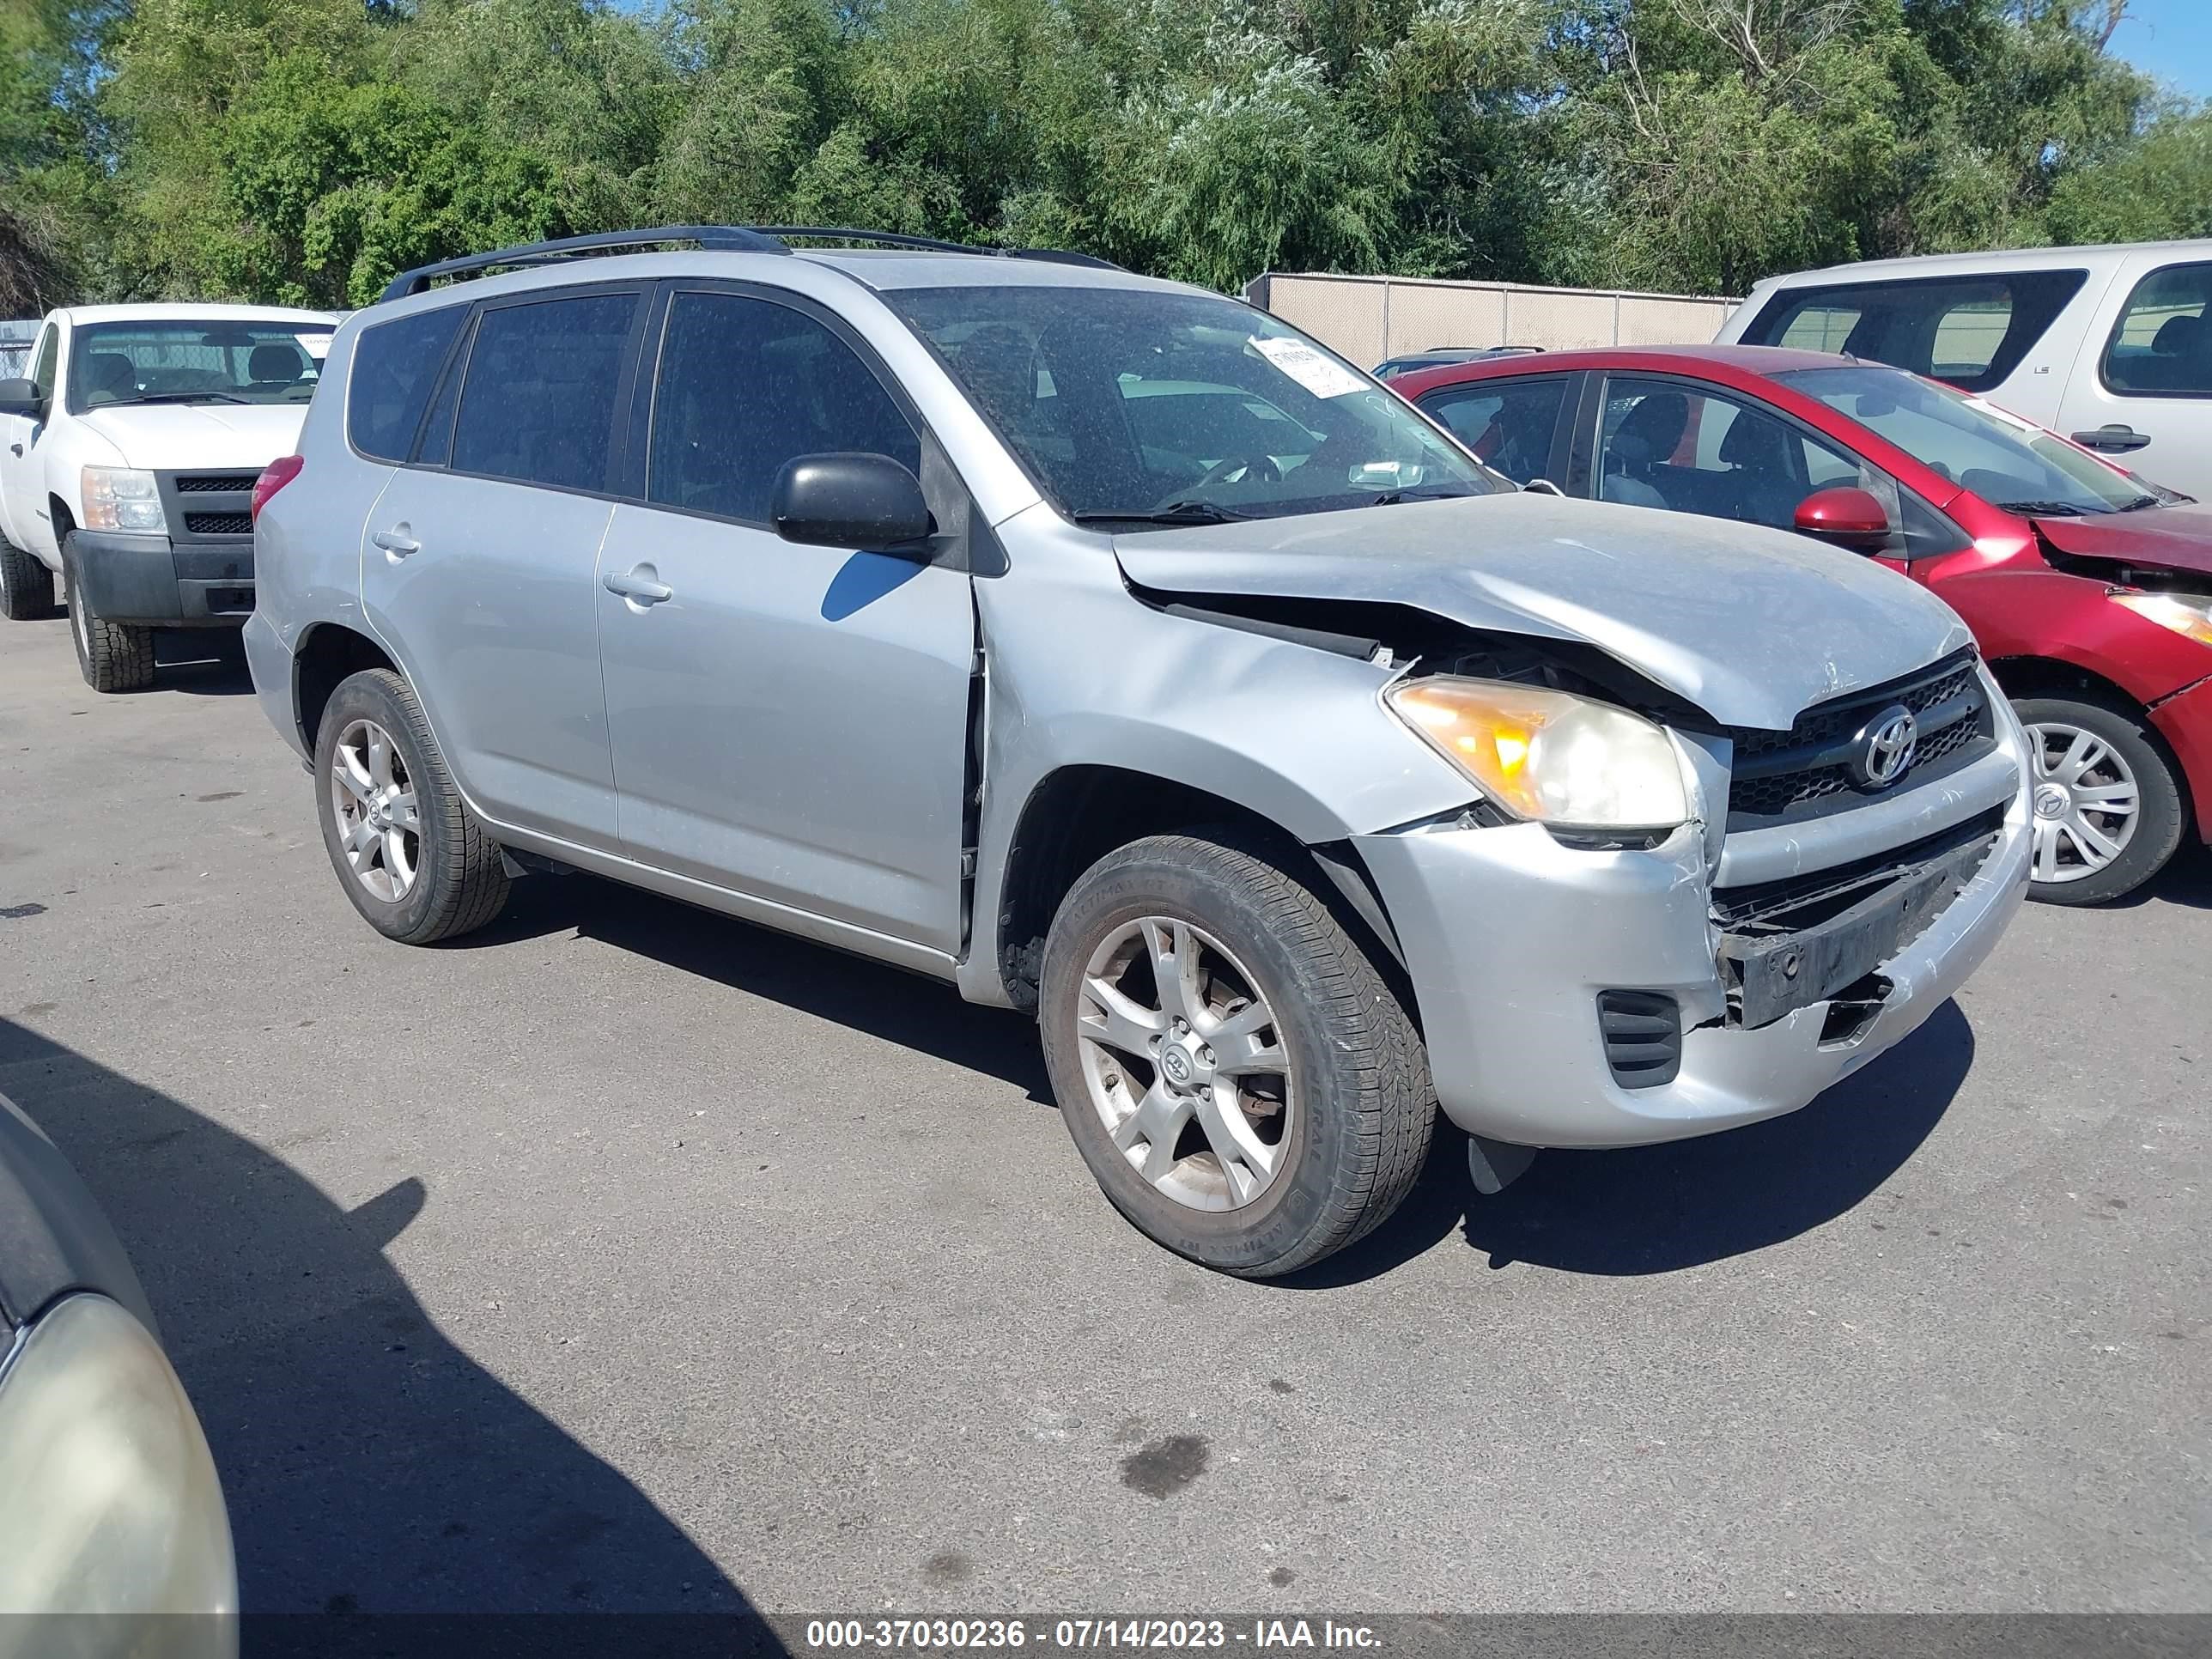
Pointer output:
1509, 423
537, 405
2163, 346
1970, 331
394, 366
746, 386
1673, 445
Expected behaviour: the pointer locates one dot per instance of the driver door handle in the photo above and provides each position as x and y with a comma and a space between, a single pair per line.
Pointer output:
638, 585
15, 449
397, 542
2113, 440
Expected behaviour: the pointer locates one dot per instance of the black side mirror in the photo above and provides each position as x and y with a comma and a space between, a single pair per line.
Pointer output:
868, 502
21, 397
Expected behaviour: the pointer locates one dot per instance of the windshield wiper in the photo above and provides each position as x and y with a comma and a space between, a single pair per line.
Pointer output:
1173, 513
2050, 509
1422, 493
2141, 502
177, 398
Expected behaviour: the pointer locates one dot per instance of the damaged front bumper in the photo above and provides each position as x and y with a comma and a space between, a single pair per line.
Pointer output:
1549, 976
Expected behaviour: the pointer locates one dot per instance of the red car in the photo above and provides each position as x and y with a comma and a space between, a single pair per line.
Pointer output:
2089, 590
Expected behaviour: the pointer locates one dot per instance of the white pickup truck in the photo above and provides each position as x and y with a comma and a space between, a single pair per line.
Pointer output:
128, 455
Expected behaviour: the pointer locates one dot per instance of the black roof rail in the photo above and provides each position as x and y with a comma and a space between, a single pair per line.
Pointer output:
728, 239
932, 245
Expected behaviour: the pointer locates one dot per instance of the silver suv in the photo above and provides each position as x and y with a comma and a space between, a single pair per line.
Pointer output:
1113, 651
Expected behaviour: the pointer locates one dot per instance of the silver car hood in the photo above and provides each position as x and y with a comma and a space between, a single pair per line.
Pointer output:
1750, 625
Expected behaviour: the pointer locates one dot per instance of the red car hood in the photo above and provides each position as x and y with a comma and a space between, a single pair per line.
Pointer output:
2178, 537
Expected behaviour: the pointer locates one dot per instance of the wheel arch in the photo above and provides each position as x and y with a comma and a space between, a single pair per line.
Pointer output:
2053, 676
326, 653
1076, 813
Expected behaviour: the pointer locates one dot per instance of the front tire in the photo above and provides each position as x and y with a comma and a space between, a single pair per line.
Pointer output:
410, 855
2107, 800
112, 656
27, 587
1247, 1089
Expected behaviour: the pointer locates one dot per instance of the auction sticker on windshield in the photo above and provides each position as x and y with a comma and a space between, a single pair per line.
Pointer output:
1316, 373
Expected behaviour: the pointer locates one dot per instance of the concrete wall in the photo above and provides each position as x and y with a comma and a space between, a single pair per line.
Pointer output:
1370, 318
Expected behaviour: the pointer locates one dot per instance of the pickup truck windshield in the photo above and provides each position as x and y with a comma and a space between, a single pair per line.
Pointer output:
2008, 461
183, 361
1137, 407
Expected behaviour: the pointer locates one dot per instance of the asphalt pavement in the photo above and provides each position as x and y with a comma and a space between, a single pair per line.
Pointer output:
624, 1256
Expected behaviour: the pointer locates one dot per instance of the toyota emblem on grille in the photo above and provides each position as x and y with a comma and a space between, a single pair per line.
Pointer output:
1883, 751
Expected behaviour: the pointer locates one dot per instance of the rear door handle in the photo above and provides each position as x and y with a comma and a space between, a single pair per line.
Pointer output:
15, 449
2113, 440
640, 585
397, 542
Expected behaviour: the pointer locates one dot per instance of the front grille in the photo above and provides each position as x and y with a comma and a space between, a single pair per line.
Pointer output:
1785, 777
213, 483
219, 524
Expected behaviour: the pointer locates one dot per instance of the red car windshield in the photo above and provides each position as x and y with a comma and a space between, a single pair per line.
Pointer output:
2009, 462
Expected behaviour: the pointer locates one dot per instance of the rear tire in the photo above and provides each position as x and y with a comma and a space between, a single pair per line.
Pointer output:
2070, 866
1327, 1106
27, 587
410, 855
112, 656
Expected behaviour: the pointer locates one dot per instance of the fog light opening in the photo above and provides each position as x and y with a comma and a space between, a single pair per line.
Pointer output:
1852, 1009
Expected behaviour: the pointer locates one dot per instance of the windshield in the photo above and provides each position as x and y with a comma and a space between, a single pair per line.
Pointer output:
181, 361
2008, 461
1136, 405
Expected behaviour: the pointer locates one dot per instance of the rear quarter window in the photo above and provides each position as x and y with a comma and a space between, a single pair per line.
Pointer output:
1971, 332
395, 365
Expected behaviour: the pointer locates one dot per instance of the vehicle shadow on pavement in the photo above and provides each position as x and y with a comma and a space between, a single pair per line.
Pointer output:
2186, 881
909, 1010
201, 663
370, 1466
1656, 1209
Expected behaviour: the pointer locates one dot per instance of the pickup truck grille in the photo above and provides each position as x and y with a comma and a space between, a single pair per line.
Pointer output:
1786, 777
210, 509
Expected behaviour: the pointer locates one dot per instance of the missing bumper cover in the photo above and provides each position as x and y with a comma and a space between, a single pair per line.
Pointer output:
1772, 969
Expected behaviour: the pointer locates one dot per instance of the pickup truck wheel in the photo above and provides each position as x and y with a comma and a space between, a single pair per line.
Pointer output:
2106, 797
408, 853
112, 656
27, 587
1247, 1089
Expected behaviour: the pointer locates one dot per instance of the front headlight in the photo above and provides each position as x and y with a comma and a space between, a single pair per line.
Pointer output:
2184, 613
1549, 755
108, 1498
122, 498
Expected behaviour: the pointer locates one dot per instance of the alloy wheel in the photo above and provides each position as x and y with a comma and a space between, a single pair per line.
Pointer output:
372, 798
2086, 802
1185, 1064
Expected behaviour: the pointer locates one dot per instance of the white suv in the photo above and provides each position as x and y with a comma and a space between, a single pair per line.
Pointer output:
128, 455
2109, 345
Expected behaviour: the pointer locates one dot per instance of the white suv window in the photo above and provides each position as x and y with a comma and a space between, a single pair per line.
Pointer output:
1970, 331
2163, 344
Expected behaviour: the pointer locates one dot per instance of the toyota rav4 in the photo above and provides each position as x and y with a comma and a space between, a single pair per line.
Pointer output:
1111, 650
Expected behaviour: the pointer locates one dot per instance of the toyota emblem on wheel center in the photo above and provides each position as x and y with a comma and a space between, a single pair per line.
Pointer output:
1882, 752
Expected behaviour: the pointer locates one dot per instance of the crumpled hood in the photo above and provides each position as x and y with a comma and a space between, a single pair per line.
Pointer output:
2179, 537
163, 437
1750, 625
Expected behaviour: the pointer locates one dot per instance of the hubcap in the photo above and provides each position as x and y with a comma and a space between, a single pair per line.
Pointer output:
373, 801
2085, 801
1184, 1065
